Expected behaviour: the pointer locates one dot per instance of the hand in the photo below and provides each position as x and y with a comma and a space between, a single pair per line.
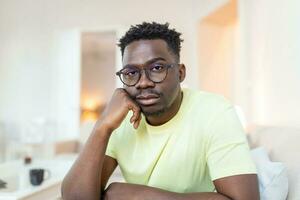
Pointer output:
120, 191
117, 109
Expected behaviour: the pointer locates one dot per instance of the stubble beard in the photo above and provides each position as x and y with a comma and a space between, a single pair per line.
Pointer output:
156, 113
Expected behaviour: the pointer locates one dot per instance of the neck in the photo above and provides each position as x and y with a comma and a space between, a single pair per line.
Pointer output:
169, 114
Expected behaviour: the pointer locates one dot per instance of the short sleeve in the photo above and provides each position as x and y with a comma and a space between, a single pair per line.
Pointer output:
228, 152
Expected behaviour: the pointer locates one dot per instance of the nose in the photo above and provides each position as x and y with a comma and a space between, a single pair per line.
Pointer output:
144, 81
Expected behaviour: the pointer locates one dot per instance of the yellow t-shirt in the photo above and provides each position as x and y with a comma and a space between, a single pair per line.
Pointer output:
204, 141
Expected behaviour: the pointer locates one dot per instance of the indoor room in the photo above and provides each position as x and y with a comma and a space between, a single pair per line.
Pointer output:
58, 64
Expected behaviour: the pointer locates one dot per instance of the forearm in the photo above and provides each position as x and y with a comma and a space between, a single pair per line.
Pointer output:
149, 193
83, 181
241, 187
124, 191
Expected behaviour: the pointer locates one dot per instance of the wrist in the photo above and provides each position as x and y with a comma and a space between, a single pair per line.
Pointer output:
103, 130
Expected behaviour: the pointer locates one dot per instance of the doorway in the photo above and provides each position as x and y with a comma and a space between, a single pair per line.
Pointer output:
98, 51
98, 79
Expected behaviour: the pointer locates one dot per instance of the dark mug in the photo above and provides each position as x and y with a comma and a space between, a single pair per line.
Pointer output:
37, 176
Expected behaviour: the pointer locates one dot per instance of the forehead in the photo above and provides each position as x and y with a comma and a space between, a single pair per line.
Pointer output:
141, 51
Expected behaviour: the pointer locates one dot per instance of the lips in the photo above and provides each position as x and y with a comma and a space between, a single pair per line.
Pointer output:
147, 99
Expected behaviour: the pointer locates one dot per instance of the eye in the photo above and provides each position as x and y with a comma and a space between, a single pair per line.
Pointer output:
157, 67
130, 72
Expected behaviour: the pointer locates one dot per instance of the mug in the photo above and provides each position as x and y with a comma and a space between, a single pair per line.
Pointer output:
37, 176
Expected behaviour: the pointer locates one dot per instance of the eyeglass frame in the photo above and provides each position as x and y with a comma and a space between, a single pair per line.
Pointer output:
119, 73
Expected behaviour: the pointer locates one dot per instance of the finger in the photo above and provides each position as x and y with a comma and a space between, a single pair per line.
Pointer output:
131, 107
132, 119
137, 122
136, 112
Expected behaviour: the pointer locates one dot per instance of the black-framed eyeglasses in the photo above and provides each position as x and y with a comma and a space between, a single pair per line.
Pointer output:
155, 72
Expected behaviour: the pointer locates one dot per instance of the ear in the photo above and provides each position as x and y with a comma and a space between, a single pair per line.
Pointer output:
181, 71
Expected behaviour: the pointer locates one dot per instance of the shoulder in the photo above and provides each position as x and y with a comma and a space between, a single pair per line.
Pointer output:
206, 103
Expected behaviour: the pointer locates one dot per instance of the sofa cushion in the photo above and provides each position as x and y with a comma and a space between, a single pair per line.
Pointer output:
272, 176
282, 144
293, 171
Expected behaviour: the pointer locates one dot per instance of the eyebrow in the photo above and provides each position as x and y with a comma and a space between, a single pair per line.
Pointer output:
148, 62
155, 59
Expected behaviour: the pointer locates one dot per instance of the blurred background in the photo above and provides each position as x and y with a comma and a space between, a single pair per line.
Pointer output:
58, 60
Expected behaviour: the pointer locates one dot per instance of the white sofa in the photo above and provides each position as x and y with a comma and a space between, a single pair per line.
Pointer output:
283, 145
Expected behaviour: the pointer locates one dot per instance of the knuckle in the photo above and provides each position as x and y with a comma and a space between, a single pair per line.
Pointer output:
138, 108
127, 101
119, 91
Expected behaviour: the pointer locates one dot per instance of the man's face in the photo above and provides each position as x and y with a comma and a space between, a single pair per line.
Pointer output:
153, 98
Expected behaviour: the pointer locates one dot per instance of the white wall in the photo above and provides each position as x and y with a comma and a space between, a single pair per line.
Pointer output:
267, 75
65, 79
271, 53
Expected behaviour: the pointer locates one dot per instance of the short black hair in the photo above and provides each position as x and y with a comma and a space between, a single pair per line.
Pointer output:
150, 31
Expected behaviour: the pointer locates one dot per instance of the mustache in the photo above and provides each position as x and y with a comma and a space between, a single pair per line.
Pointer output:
145, 93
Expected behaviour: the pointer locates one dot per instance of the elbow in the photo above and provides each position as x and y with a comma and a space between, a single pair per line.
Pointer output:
73, 195
238, 197
69, 192
73, 191
243, 198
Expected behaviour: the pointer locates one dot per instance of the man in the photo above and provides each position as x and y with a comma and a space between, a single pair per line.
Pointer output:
170, 143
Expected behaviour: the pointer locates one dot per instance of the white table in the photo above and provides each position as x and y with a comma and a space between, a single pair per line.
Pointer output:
16, 174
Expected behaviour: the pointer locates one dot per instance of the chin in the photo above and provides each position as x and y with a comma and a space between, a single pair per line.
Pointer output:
153, 112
